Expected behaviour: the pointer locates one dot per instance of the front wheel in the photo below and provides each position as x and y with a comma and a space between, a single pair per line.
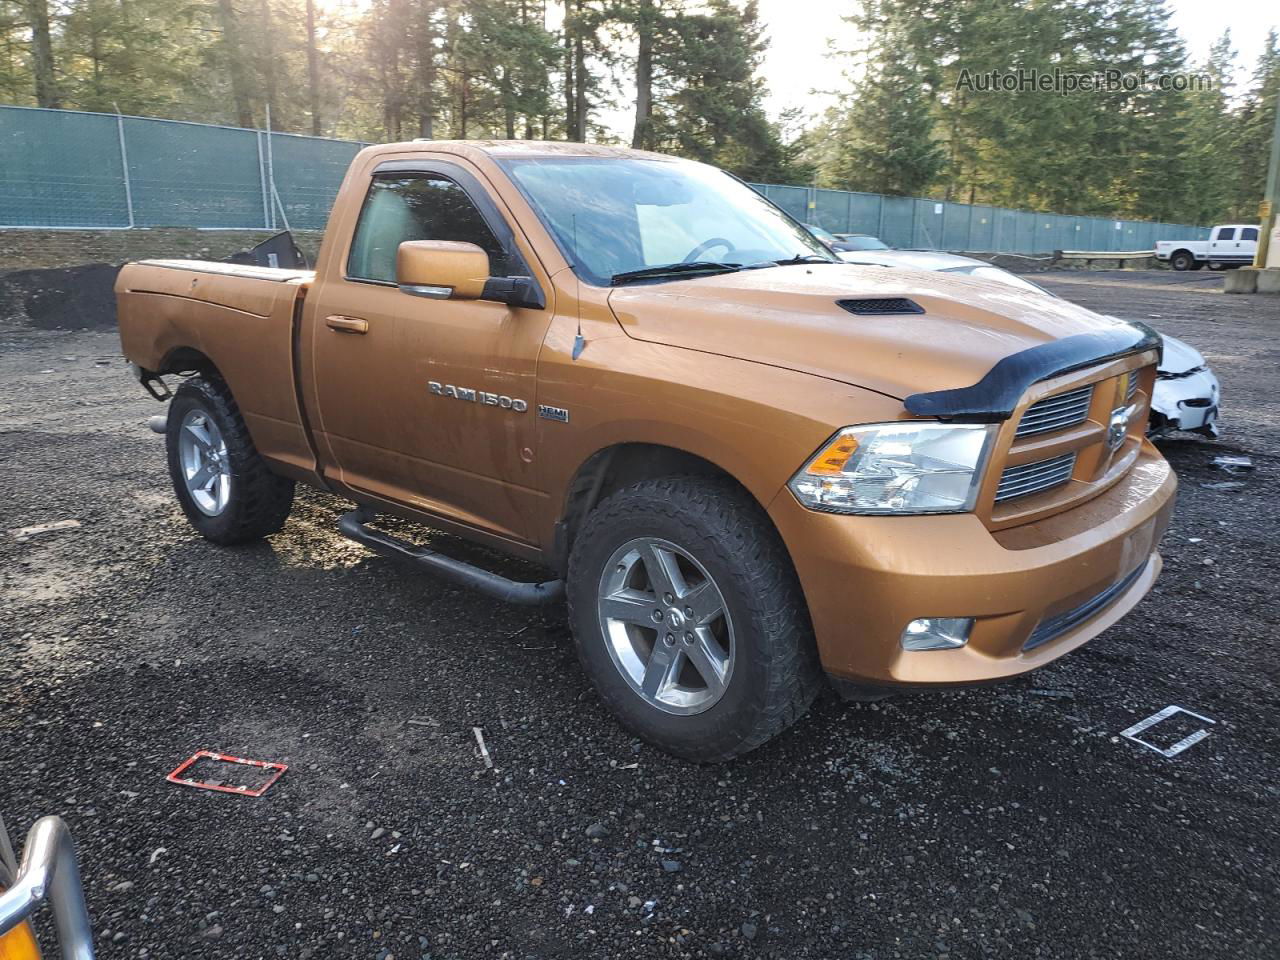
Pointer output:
689, 620
225, 488
1182, 260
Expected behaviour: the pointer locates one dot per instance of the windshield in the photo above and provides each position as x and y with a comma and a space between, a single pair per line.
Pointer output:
616, 215
855, 242
820, 233
1000, 276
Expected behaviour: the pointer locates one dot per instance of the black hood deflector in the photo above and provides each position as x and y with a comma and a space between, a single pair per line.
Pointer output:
993, 398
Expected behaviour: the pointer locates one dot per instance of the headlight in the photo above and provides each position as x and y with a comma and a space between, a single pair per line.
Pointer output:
907, 467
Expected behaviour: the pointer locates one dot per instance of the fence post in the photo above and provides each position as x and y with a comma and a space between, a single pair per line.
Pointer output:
124, 166
271, 170
262, 180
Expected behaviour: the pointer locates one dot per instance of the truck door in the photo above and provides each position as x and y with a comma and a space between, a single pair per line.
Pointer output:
429, 403
1223, 244
1248, 242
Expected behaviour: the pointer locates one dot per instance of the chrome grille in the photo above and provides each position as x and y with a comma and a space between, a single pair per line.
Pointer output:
1028, 478
1056, 412
1132, 387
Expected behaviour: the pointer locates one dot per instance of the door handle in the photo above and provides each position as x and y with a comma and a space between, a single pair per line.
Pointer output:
347, 324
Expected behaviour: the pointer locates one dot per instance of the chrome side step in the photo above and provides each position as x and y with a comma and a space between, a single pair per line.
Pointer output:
352, 525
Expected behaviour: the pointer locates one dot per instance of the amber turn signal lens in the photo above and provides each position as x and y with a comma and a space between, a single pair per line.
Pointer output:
832, 459
19, 944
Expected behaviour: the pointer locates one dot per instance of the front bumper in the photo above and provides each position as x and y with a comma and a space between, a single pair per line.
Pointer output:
1186, 403
866, 578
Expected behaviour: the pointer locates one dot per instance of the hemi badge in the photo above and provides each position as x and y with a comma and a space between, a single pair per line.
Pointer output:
548, 412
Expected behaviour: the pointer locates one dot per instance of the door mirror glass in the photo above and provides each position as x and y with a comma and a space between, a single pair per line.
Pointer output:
442, 269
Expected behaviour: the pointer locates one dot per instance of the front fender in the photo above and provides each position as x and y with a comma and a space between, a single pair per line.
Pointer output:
756, 422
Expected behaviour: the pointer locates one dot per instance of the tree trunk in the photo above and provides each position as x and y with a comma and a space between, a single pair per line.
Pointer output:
95, 55
269, 81
570, 97
642, 135
426, 78
508, 104
580, 99
313, 71
46, 84
462, 109
235, 63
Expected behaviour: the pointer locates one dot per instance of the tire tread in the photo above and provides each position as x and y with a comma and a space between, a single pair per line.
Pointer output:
772, 592
261, 500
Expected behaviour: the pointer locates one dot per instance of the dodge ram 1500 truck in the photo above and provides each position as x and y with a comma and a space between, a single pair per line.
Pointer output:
746, 463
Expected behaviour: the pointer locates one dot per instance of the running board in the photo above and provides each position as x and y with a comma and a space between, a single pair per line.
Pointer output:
463, 574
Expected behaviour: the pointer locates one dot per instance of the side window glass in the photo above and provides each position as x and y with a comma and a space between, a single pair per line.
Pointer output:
417, 207
1249, 233
1227, 233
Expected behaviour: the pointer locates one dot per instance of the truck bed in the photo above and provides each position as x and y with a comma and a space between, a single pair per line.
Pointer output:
178, 315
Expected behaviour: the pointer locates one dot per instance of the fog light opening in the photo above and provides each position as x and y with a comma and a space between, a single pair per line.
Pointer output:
937, 633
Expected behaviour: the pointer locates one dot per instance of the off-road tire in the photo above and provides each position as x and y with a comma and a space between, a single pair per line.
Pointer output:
776, 672
260, 500
1182, 260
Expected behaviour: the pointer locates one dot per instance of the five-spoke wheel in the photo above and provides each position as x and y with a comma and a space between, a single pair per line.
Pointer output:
206, 468
666, 625
688, 617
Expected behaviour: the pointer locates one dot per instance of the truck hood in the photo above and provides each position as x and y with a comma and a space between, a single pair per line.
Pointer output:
790, 317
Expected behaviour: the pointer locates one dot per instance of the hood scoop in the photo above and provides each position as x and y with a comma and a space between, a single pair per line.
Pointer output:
880, 306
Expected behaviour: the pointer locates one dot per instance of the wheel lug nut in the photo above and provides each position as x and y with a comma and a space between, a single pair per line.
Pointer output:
688, 611
669, 599
688, 638
657, 615
671, 639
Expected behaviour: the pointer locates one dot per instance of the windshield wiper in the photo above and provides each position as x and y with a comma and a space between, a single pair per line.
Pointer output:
806, 258
790, 261
674, 269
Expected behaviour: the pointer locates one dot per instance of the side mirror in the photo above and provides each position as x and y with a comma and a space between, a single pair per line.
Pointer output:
441, 269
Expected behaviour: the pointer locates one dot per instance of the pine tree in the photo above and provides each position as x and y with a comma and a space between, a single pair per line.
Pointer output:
1256, 124
884, 140
711, 104
1212, 133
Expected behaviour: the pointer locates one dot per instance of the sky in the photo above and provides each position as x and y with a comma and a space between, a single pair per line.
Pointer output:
802, 33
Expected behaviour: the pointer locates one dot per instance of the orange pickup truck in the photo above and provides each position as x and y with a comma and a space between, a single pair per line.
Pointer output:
744, 463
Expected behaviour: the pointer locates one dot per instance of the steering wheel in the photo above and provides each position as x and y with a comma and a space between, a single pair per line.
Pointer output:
706, 245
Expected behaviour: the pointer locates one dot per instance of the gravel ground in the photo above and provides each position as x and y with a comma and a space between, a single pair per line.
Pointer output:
1009, 821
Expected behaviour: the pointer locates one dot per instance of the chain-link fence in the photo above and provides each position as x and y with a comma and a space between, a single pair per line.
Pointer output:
913, 223
66, 169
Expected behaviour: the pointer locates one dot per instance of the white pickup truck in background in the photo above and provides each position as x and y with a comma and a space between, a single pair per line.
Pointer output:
1230, 244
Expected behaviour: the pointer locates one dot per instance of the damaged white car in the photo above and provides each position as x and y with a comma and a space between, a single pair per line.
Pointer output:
1186, 395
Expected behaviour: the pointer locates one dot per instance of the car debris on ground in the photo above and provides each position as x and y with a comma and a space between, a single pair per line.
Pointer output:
1233, 464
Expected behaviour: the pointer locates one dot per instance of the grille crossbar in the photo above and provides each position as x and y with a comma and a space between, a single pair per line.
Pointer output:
1028, 478
1057, 412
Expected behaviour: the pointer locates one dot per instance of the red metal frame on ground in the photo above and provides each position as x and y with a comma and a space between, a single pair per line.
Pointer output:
177, 775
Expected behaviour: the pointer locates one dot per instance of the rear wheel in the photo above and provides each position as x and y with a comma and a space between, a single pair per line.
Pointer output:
689, 620
1182, 260
225, 488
